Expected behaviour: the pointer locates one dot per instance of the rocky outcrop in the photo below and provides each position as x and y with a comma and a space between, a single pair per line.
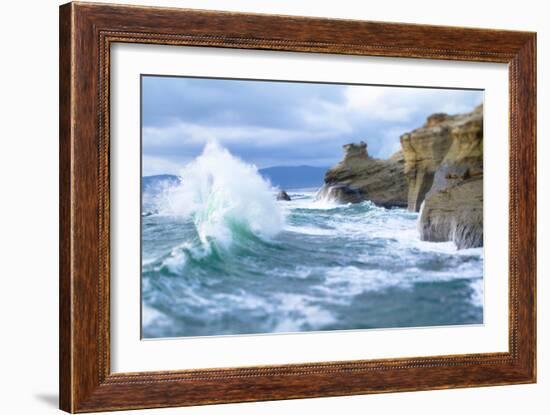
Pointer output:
443, 164
341, 193
359, 177
423, 152
439, 172
283, 195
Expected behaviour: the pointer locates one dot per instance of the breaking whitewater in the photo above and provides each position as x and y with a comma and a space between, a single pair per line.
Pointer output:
221, 256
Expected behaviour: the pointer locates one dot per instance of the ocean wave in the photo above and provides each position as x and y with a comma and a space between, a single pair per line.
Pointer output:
477, 295
150, 315
298, 312
222, 256
309, 230
350, 281
210, 256
308, 202
222, 195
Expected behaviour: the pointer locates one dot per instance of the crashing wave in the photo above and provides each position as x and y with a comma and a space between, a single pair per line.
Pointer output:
225, 198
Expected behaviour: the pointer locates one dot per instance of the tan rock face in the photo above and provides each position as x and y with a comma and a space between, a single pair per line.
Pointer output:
425, 148
451, 192
439, 169
360, 177
355, 153
423, 151
454, 213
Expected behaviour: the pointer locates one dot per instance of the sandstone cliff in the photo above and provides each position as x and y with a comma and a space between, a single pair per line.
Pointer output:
359, 177
439, 169
444, 170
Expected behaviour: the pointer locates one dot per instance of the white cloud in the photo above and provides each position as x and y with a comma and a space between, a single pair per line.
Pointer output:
318, 129
375, 103
390, 143
182, 134
402, 104
326, 115
161, 165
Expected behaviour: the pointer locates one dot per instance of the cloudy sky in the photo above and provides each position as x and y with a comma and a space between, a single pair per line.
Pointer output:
281, 123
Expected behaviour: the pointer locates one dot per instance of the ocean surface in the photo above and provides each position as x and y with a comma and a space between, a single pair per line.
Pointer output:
220, 256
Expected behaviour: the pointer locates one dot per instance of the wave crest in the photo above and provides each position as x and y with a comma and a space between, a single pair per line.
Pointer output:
221, 194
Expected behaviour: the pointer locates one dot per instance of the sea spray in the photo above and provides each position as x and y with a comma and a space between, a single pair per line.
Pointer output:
225, 197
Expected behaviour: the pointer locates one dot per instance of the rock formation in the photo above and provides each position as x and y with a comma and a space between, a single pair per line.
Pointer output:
439, 172
283, 195
423, 151
444, 171
341, 193
359, 177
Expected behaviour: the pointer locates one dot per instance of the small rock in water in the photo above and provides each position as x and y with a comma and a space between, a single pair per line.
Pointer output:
282, 195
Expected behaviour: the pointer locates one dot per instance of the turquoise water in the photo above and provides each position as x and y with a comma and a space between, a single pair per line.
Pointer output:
328, 267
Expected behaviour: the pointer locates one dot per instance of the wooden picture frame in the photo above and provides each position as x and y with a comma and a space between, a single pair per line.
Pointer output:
86, 33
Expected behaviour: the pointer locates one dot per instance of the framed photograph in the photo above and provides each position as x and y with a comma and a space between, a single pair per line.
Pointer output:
258, 207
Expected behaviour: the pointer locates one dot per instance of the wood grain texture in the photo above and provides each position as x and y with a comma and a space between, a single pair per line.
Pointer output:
65, 246
86, 33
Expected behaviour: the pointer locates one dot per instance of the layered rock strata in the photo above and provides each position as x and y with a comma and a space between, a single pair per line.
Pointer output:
444, 170
439, 172
359, 177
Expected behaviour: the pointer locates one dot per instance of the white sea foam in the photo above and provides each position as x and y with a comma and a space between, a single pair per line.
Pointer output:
298, 311
349, 281
338, 252
219, 191
394, 225
408, 238
300, 272
323, 204
175, 262
306, 200
477, 286
344, 283
149, 314
309, 230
